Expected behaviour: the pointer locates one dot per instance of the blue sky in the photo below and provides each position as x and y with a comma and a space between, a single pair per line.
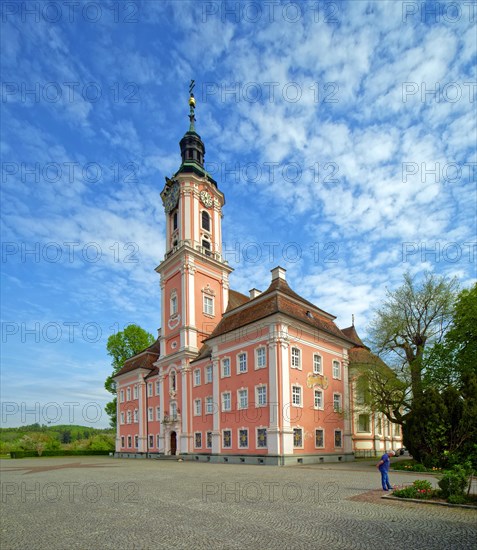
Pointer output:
343, 135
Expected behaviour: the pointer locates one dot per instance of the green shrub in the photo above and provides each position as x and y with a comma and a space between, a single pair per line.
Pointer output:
419, 468
421, 488
453, 482
456, 499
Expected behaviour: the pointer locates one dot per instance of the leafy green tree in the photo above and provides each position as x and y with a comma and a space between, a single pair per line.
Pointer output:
448, 362
411, 319
121, 346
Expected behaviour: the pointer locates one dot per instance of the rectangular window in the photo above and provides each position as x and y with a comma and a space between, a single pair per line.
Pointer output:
122, 418
158, 413
173, 305
261, 358
242, 362
208, 442
136, 418
208, 305
197, 407
317, 364
318, 399
336, 369
158, 388
338, 439
296, 396
226, 367
197, 377
209, 405
122, 441
151, 441
128, 394
136, 441
297, 437
379, 425
158, 441
319, 439
226, 401
261, 438
208, 374
198, 440
149, 389
129, 417
121, 396
129, 441
337, 402
150, 414
136, 392
243, 399
363, 423
243, 438
227, 439
261, 397
174, 411
295, 358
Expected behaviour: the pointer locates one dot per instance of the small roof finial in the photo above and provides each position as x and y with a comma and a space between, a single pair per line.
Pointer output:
352, 319
192, 106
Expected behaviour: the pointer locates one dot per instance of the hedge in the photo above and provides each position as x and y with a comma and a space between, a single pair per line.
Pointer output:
78, 452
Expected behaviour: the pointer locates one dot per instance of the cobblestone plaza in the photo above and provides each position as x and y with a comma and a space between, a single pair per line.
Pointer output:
101, 502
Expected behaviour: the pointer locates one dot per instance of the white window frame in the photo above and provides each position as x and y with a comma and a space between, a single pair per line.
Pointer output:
222, 441
322, 406
207, 446
295, 358
121, 421
302, 437
173, 304
136, 442
322, 430
128, 417
257, 440
136, 392
320, 369
224, 408
259, 357
225, 362
209, 305
209, 374
358, 427
158, 387
150, 414
336, 365
123, 440
158, 413
239, 362
151, 441
158, 441
195, 442
173, 409
209, 405
149, 389
128, 394
129, 442
136, 416
121, 396
239, 401
257, 395
294, 394
197, 377
198, 407
334, 439
240, 446
335, 395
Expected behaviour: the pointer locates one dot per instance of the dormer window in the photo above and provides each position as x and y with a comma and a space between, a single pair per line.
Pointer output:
205, 220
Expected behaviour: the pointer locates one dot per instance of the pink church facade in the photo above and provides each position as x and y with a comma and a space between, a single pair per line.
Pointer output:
261, 379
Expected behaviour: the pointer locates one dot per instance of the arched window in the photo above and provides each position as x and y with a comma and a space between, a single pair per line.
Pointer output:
205, 220
173, 381
175, 221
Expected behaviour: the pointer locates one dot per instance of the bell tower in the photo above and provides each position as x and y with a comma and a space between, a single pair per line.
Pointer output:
194, 276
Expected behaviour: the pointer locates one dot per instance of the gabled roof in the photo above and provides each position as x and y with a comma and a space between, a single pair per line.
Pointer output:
142, 360
204, 352
361, 355
278, 298
236, 299
350, 332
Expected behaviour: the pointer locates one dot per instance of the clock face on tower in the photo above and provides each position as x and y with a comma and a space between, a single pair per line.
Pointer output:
206, 199
170, 200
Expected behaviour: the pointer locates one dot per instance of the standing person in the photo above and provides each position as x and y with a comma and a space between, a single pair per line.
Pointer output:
383, 466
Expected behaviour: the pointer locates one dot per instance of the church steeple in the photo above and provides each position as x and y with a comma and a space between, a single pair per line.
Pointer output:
192, 147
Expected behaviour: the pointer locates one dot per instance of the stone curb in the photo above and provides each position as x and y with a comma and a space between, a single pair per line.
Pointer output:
423, 501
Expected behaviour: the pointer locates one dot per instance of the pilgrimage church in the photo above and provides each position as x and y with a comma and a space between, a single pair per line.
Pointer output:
259, 379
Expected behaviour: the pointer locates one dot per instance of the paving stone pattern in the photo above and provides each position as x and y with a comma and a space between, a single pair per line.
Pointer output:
103, 503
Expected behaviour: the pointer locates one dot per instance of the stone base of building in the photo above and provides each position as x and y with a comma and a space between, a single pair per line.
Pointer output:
269, 460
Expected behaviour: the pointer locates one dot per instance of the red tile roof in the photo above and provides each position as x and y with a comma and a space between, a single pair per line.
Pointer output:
351, 333
236, 299
142, 360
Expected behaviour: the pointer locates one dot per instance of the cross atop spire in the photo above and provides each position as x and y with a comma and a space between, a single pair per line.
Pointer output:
192, 106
